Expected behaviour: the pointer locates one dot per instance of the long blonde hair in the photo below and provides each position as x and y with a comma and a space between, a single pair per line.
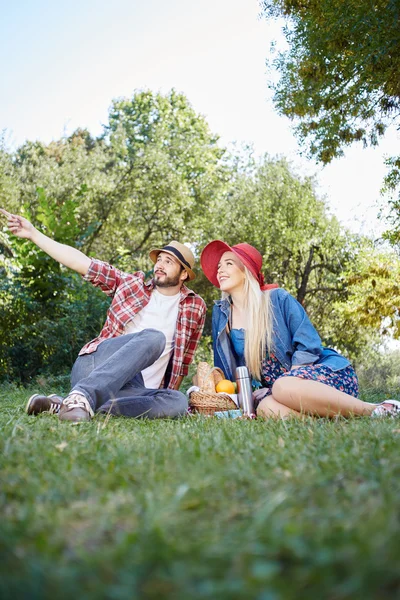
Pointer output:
258, 339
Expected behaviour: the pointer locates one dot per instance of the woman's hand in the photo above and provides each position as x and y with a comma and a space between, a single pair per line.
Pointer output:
259, 394
19, 226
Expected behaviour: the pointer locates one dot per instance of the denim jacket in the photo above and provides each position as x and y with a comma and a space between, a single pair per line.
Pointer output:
295, 341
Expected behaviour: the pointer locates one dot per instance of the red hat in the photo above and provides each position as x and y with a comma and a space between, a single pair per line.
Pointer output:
247, 254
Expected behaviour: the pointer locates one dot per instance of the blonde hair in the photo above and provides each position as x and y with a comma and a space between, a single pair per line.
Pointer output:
258, 339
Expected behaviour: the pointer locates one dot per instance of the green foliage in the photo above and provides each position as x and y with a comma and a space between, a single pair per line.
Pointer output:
41, 336
339, 78
68, 170
374, 291
273, 208
47, 315
391, 184
157, 174
169, 171
304, 249
198, 508
340, 75
8, 177
379, 373
154, 175
370, 310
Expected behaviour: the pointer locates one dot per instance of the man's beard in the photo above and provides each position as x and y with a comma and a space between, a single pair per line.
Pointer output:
167, 281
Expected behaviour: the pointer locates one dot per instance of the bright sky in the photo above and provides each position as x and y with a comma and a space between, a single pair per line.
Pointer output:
63, 63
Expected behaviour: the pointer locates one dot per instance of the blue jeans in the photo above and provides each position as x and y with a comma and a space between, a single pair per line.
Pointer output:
110, 378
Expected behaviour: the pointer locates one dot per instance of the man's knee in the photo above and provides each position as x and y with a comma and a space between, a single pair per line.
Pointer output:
157, 339
154, 340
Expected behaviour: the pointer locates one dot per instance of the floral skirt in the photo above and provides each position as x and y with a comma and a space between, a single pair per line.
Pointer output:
344, 380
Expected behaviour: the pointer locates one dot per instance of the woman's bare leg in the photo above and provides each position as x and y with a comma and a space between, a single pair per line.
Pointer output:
270, 408
316, 398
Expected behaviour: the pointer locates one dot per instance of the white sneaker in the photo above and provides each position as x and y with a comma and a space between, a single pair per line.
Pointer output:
388, 408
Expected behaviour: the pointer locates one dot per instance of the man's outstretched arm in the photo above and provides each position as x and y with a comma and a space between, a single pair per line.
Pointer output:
66, 255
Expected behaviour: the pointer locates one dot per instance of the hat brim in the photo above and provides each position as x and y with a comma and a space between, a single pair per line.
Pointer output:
210, 258
156, 251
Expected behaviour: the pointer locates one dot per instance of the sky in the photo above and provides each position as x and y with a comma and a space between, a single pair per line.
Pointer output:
64, 62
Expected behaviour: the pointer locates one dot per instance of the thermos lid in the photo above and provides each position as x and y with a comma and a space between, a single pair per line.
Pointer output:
242, 372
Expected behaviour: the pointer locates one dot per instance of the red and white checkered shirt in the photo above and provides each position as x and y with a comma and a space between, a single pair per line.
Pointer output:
129, 295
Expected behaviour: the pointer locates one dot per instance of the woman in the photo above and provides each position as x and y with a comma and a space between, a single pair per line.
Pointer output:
269, 331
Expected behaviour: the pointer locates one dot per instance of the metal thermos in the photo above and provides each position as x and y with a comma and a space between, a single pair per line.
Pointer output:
244, 391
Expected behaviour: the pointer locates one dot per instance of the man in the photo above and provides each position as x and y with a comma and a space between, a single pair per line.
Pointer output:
137, 363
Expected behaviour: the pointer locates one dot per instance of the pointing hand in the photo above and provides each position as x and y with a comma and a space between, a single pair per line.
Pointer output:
19, 226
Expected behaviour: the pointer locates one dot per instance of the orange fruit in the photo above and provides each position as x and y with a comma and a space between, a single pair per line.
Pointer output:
225, 386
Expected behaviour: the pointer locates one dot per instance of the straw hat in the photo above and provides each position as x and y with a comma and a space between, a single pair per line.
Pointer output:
182, 253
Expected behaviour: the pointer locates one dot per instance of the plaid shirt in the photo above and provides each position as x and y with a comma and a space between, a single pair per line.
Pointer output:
129, 295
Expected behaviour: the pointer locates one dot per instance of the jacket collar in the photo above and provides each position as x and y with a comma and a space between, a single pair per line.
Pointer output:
224, 304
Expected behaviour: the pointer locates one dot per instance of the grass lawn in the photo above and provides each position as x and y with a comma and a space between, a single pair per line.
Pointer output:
198, 508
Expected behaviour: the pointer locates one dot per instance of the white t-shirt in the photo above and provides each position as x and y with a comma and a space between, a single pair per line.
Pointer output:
160, 313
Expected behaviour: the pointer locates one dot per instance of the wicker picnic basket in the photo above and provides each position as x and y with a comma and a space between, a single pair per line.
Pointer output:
206, 400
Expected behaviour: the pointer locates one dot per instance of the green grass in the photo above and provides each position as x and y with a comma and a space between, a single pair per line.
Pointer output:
198, 508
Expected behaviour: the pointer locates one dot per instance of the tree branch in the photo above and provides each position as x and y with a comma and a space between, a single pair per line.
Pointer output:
301, 292
325, 289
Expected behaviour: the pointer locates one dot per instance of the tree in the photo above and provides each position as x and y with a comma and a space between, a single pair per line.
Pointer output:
340, 75
330, 271
47, 314
373, 291
273, 208
154, 175
169, 170
159, 173
391, 183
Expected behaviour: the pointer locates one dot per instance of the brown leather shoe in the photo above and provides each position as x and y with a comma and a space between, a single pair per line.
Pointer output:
38, 404
75, 408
